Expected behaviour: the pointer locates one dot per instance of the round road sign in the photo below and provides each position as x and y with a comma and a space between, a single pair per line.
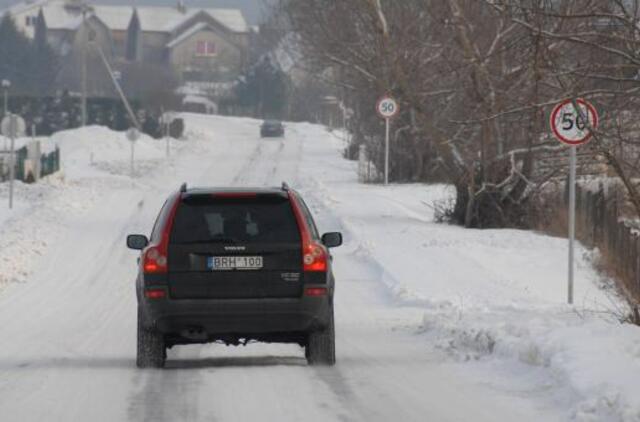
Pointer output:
13, 126
133, 134
568, 125
387, 107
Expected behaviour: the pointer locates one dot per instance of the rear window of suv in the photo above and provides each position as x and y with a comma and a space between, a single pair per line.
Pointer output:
260, 219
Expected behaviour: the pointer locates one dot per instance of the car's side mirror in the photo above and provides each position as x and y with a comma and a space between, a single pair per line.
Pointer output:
137, 241
332, 240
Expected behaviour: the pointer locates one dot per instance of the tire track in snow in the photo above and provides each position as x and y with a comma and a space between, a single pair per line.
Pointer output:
246, 168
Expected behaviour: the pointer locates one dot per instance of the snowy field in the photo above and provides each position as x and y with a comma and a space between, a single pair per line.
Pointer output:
434, 322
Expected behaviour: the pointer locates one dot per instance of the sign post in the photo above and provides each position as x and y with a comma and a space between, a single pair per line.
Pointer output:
166, 120
12, 126
573, 123
133, 135
387, 108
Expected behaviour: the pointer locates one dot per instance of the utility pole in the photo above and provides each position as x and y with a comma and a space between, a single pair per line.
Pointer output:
85, 41
12, 126
6, 84
116, 84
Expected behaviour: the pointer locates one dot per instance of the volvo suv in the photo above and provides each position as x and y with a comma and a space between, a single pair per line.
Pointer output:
235, 266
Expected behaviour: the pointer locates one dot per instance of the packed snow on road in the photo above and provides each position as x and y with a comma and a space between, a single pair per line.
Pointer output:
434, 322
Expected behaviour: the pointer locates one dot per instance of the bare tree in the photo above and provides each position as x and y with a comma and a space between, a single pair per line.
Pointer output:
476, 80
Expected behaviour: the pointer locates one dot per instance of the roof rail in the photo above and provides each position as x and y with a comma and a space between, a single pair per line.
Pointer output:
285, 186
183, 187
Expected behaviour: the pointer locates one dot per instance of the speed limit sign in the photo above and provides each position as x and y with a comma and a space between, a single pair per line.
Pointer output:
387, 107
569, 125
573, 123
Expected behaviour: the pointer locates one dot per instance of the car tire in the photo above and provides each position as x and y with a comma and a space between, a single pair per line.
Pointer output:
152, 352
321, 345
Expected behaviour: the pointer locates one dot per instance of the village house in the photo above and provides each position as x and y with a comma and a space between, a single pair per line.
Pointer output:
195, 45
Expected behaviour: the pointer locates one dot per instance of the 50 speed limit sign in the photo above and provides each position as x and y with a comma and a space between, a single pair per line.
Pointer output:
387, 107
569, 125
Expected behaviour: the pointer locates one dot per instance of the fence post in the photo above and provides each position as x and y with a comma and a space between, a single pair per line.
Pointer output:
620, 245
637, 264
602, 212
626, 238
566, 191
586, 219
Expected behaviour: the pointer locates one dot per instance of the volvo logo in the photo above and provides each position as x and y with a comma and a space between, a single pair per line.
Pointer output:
234, 248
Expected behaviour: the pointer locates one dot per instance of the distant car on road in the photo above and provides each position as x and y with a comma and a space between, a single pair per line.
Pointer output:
234, 266
271, 128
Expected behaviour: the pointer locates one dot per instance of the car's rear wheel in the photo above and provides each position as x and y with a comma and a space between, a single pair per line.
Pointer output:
152, 351
321, 345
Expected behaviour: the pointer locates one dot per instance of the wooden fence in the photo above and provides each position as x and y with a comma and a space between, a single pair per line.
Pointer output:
599, 223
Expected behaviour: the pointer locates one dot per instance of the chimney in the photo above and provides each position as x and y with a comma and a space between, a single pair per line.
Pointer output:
182, 8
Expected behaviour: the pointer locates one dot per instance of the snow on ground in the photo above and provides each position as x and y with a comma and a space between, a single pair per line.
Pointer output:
435, 322
35, 220
96, 149
490, 295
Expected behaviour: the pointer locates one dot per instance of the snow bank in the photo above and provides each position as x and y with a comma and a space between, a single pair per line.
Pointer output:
94, 159
93, 150
597, 357
489, 296
33, 224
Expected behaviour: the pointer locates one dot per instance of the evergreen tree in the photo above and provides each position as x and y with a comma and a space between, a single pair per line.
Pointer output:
44, 62
14, 55
31, 66
264, 88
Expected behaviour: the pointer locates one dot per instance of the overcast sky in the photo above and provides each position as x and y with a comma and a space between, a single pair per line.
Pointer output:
252, 9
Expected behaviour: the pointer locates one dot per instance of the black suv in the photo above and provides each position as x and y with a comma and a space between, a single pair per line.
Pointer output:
271, 128
234, 266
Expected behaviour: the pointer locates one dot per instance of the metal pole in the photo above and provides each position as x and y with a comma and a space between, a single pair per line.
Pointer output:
132, 168
6, 110
116, 84
386, 153
85, 41
37, 164
572, 219
166, 134
13, 128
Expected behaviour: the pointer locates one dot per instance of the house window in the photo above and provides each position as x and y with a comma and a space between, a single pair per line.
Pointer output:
29, 20
205, 48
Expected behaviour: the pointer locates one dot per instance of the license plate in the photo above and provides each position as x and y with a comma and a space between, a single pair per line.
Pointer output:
222, 263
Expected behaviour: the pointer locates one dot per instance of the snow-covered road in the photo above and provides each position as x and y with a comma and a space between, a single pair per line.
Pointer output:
67, 310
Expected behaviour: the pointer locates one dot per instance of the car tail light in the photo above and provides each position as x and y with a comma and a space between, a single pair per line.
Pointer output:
154, 261
315, 291
314, 257
314, 254
154, 257
155, 294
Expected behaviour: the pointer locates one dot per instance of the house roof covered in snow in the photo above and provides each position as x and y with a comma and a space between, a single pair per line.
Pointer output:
65, 14
188, 33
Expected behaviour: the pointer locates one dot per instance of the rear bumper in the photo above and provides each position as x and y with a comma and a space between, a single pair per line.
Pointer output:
271, 134
238, 316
